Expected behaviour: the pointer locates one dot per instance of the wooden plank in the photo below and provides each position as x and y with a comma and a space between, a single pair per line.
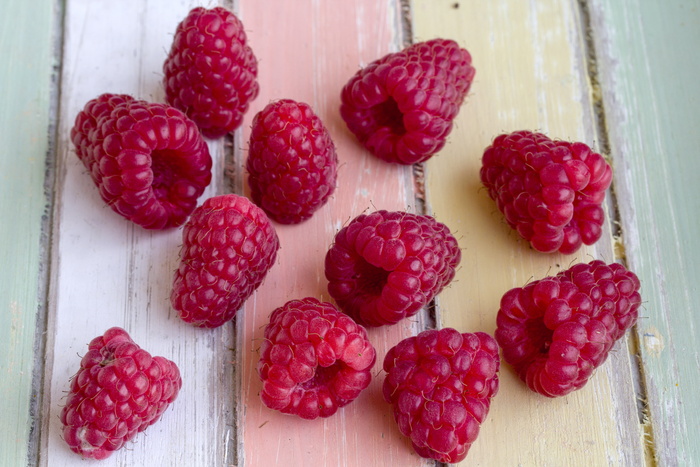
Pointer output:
108, 272
530, 75
310, 62
647, 53
26, 48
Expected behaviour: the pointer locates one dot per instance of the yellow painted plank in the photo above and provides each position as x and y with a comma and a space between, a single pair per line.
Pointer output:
530, 75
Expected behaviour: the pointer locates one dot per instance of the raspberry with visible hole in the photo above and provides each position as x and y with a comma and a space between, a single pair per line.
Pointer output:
385, 266
557, 330
314, 359
401, 107
149, 161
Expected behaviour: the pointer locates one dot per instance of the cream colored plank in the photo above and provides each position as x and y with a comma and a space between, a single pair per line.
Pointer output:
531, 74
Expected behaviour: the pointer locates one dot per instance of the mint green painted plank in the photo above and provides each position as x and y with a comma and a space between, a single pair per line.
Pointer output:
650, 73
25, 80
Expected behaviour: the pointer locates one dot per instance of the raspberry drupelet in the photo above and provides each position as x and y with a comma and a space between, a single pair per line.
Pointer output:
401, 107
149, 161
211, 72
550, 192
440, 385
556, 331
292, 163
229, 245
385, 266
119, 391
314, 359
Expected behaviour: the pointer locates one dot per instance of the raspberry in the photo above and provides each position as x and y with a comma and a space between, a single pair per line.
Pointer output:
119, 391
229, 245
549, 191
314, 359
440, 384
292, 164
401, 106
148, 160
211, 72
385, 266
557, 330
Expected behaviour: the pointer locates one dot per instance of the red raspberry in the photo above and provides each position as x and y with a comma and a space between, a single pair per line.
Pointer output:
292, 164
440, 384
557, 330
211, 72
148, 160
314, 359
401, 107
119, 391
385, 266
229, 245
551, 192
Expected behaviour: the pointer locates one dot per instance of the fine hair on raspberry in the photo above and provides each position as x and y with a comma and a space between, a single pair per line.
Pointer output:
551, 192
556, 331
440, 385
386, 265
292, 163
313, 359
118, 392
401, 107
148, 160
228, 247
211, 72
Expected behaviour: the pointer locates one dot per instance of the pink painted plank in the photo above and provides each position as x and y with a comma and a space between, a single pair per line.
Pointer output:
307, 50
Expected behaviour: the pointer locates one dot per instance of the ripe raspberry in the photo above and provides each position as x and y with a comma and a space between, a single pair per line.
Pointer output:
229, 245
557, 330
119, 391
314, 359
551, 192
210, 72
401, 107
440, 384
292, 164
148, 160
385, 266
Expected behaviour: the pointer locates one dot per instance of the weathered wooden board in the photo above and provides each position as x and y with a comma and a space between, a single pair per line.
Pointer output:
310, 62
108, 272
531, 74
26, 69
649, 66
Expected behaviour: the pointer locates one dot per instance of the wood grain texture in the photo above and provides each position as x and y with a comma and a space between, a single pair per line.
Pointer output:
647, 53
108, 272
310, 62
26, 48
530, 75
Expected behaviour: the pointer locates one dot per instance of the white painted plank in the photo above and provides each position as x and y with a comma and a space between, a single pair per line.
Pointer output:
108, 272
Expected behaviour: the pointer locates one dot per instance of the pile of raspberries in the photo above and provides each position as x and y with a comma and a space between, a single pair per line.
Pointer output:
151, 163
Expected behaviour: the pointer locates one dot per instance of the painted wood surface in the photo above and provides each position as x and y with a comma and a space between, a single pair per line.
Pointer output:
540, 65
26, 68
329, 42
649, 68
531, 75
109, 272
